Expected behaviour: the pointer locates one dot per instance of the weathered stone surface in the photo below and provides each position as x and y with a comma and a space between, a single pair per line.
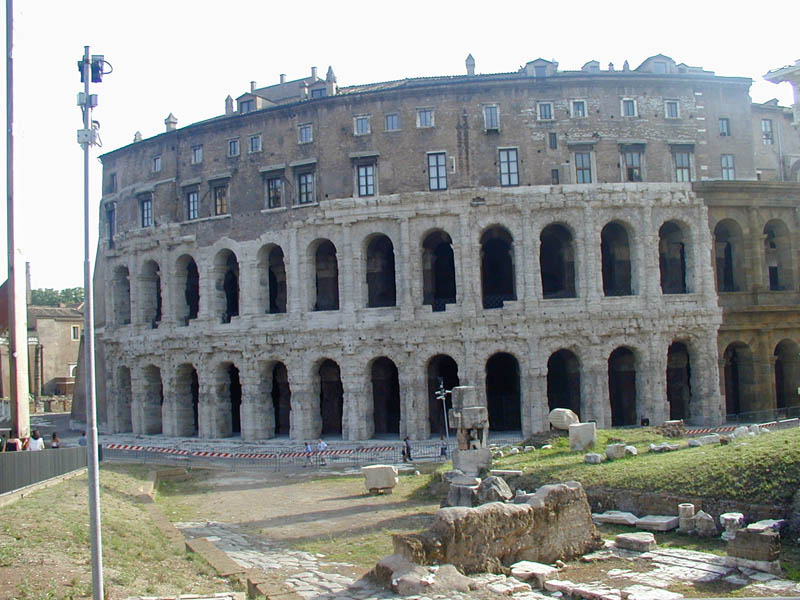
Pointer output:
461, 495
753, 544
731, 522
380, 477
508, 587
505, 473
582, 436
640, 541
657, 523
767, 525
533, 572
740, 431
704, 524
409, 579
646, 592
471, 462
705, 440
562, 418
615, 517
686, 517
555, 524
593, 458
615, 451
663, 447
461, 479
631, 451
493, 489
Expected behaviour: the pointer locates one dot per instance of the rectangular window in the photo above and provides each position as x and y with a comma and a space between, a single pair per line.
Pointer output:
366, 180
274, 192
628, 107
111, 225
728, 172
545, 110
221, 199
552, 138
305, 134
147, 211
318, 93
392, 122
659, 67
671, 109
683, 165
156, 165
233, 147
111, 187
305, 188
361, 125
246, 106
578, 108
437, 171
76, 332
583, 167
192, 201
766, 131
633, 165
255, 143
425, 117
197, 155
509, 167
724, 127
554, 177
491, 118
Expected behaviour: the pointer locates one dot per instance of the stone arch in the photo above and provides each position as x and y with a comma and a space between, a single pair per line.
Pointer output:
497, 267
226, 285
385, 396
557, 261
123, 400
187, 401
622, 386
331, 397
672, 254
787, 374
326, 276
564, 381
150, 295
778, 255
152, 400
679, 378
729, 261
272, 279
444, 367
503, 392
615, 250
121, 296
739, 378
380, 271
438, 270
228, 388
187, 289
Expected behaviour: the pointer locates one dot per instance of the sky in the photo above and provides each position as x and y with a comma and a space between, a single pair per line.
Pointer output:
185, 57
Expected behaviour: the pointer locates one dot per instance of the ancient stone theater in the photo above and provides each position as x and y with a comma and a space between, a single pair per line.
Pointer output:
319, 260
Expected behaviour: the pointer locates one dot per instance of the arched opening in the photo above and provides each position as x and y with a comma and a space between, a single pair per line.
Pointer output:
385, 396
497, 267
557, 262
444, 368
616, 260
438, 271
778, 255
281, 399
739, 374
787, 374
124, 397
503, 393
272, 278
121, 296
226, 277
187, 288
152, 400
380, 272
672, 258
564, 381
679, 377
622, 387
326, 276
729, 256
331, 397
187, 400
151, 294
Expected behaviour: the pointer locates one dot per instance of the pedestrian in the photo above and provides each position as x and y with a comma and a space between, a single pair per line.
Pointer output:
36, 442
309, 451
12, 443
321, 447
443, 448
83, 441
55, 442
407, 450
2, 442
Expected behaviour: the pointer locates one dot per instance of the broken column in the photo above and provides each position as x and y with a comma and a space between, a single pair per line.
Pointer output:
471, 422
731, 523
686, 517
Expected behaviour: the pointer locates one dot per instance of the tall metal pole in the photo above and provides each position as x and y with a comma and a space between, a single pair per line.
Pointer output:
88, 338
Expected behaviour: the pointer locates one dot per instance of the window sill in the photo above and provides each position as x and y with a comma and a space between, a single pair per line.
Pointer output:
213, 218
275, 209
305, 205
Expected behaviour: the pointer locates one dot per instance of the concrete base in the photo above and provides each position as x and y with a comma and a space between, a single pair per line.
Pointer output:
471, 462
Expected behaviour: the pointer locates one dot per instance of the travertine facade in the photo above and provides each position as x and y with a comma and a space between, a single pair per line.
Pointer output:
315, 261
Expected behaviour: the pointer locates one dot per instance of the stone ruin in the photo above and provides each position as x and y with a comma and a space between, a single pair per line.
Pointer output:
470, 419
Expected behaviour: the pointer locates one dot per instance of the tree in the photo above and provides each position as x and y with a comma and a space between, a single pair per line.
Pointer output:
51, 297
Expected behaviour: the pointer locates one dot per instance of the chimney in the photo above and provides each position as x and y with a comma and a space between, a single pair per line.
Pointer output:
304, 90
330, 82
313, 72
252, 86
171, 122
229, 105
470, 65
137, 137
283, 77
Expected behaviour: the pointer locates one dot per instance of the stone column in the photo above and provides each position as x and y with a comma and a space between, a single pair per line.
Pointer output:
413, 399
257, 416
587, 251
755, 251
169, 410
525, 259
651, 382
305, 418
535, 227
295, 288
406, 264
137, 400
535, 393
357, 417
206, 410
168, 313
467, 292
707, 406
208, 293
595, 400
347, 284
249, 288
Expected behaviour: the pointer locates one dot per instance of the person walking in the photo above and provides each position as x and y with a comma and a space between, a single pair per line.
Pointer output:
407, 450
83, 441
55, 441
443, 448
309, 452
36, 442
321, 447
12, 443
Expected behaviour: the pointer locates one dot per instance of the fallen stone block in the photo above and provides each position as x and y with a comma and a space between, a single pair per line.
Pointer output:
505, 473
756, 545
615, 451
631, 451
638, 542
705, 440
380, 477
615, 517
593, 458
461, 479
582, 436
658, 523
461, 495
406, 578
555, 585
645, 592
740, 431
493, 489
704, 524
562, 418
529, 448
767, 525
534, 573
508, 587
664, 447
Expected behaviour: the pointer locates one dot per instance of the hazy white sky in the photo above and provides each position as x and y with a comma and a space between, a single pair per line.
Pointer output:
185, 56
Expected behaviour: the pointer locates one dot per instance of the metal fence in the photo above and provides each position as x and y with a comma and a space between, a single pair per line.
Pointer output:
20, 469
763, 416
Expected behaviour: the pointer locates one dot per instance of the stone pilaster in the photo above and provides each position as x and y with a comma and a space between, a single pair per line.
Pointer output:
257, 414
